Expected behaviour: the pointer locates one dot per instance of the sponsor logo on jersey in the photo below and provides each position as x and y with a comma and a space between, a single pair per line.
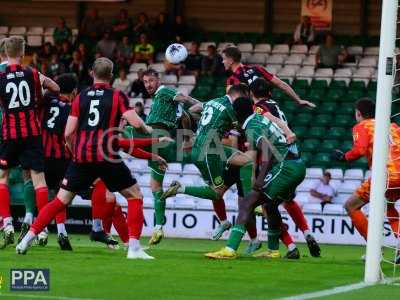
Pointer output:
19, 74
10, 76
218, 180
90, 93
258, 110
99, 92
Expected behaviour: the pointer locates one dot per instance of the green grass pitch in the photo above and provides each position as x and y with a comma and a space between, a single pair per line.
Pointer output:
180, 271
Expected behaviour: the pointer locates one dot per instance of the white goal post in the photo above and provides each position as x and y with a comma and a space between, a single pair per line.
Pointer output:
381, 140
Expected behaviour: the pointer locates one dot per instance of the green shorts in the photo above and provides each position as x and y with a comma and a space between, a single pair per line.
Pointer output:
281, 182
212, 166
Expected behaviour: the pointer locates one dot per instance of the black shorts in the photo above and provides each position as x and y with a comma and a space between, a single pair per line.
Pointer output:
231, 177
80, 176
54, 171
26, 152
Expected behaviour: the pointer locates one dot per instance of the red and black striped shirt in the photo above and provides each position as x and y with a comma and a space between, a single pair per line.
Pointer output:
20, 93
247, 74
265, 105
55, 114
99, 110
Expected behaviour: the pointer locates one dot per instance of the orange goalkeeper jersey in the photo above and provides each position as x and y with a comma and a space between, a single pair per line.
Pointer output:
363, 138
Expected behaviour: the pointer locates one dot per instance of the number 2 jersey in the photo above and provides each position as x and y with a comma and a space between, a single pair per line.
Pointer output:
54, 116
20, 93
99, 110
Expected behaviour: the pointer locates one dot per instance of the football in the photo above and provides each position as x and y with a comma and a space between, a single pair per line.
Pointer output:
176, 53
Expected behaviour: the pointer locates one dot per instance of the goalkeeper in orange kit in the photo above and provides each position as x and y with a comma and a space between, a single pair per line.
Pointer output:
363, 136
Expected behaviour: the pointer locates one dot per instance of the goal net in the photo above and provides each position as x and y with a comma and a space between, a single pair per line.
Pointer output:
383, 237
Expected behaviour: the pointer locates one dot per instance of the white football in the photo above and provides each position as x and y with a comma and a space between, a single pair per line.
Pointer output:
176, 53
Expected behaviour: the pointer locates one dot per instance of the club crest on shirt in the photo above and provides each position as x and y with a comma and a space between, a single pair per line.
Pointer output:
258, 110
218, 180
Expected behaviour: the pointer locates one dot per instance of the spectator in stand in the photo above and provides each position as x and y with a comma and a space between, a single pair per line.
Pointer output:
144, 51
139, 108
87, 60
161, 30
122, 82
61, 32
124, 52
55, 67
122, 24
107, 46
35, 61
212, 63
77, 66
66, 53
179, 29
92, 26
323, 190
192, 64
143, 25
304, 33
137, 88
46, 52
329, 54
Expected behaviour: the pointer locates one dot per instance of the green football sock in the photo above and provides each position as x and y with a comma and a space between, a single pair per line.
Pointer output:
273, 239
159, 208
246, 173
157, 176
236, 236
29, 197
204, 192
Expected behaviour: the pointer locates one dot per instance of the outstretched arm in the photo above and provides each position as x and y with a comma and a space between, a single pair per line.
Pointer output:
280, 84
133, 119
290, 136
197, 108
186, 99
49, 84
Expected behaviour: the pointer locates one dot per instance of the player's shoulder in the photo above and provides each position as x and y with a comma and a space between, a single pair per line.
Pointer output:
364, 125
50, 97
395, 126
29, 69
252, 122
117, 91
165, 91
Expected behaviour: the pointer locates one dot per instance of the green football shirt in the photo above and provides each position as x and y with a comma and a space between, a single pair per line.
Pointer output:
216, 119
164, 109
256, 127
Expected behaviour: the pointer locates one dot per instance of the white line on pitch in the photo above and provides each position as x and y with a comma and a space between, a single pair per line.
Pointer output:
328, 292
32, 296
338, 290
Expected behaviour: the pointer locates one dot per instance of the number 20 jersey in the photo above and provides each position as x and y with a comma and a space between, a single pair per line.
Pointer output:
99, 110
55, 114
20, 92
